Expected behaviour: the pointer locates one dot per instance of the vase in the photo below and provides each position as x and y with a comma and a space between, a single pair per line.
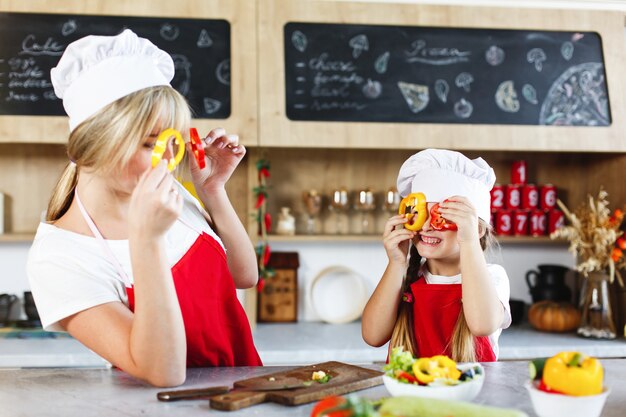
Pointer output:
595, 306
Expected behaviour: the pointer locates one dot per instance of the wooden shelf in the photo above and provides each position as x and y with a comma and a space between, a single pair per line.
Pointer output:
504, 240
17, 237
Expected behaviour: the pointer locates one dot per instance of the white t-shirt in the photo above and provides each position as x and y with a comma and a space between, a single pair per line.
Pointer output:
70, 272
501, 282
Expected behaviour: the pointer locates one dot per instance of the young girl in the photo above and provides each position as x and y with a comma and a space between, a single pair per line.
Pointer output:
126, 261
423, 304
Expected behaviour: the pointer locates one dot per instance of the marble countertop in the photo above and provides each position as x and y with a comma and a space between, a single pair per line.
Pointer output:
107, 392
310, 342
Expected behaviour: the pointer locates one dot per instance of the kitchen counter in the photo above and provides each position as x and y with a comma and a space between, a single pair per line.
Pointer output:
310, 342
109, 392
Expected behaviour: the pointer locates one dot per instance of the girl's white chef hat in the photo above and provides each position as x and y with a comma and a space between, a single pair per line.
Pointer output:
440, 174
94, 71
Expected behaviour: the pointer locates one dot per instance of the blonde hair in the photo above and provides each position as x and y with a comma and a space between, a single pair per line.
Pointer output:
107, 141
462, 347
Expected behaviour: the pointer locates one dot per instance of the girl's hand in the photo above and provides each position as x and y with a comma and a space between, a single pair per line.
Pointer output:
223, 154
459, 210
154, 204
396, 240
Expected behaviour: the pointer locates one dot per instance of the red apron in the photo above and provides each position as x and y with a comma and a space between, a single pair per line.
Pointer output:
216, 326
436, 309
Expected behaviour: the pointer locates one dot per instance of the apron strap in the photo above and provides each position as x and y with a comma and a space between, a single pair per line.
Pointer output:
107, 249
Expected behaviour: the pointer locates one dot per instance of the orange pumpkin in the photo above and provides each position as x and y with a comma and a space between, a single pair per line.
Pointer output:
551, 316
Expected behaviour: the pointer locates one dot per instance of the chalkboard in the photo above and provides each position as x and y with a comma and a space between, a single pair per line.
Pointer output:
375, 73
32, 44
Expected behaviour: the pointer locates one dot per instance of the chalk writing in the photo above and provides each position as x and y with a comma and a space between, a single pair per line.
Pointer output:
435, 56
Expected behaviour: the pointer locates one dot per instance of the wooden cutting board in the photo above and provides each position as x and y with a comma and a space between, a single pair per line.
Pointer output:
344, 378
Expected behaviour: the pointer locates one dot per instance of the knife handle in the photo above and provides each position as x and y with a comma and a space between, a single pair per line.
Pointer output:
191, 393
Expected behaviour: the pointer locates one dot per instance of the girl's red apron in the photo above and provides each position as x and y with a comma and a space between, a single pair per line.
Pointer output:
436, 308
216, 326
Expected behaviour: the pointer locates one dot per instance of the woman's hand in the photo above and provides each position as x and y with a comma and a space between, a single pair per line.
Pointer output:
459, 210
154, 204
222, 153
396, 240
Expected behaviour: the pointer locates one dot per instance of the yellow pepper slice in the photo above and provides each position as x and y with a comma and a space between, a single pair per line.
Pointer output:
418, 213
426, 370
573, 373
161, 145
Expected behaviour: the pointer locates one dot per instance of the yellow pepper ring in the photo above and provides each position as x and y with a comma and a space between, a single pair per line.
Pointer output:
161, 145
426, 370
417, 216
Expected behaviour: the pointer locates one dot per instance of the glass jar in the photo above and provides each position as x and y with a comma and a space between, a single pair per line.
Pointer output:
595, 306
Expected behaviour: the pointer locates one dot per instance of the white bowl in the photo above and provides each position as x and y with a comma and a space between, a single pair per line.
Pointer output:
559, 405
465, 391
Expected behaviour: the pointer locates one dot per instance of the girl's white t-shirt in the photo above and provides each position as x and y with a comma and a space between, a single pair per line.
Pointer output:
70, 272
500, 281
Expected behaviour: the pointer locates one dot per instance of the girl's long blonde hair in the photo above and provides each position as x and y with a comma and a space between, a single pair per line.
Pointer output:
461, 344
107, 141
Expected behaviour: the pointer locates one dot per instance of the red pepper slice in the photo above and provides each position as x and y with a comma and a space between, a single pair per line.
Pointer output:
543, 387
197, 147
403, 375
437, 221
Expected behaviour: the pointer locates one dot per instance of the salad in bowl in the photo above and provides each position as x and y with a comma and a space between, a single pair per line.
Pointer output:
434, 377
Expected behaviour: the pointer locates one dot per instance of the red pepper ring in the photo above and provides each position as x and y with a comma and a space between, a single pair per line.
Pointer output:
197, 147
438, 222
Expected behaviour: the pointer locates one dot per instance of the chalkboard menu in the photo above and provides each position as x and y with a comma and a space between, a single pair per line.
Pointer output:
32, 44
374, 73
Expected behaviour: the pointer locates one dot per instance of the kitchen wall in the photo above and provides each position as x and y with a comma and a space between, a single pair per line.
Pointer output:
368, 259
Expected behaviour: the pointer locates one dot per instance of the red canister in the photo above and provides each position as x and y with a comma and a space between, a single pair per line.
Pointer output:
556, 220
520, 222
497, 197
513, 196
537, 222
530, 196
518, 173
548, 196
504, 222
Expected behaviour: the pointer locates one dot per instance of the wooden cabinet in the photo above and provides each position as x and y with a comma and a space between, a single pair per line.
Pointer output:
276, 129
295, 170
32, 148
241, 15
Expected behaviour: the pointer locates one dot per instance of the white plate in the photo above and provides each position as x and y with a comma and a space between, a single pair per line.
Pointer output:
465, 391
338, 294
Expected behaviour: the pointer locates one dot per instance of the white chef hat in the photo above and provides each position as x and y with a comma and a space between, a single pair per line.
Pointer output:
440, 174
94, 71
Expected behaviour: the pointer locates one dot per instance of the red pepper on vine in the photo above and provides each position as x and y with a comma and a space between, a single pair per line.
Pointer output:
264, 223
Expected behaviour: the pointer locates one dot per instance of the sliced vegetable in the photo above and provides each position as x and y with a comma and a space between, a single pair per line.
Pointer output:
399, 360
405, 377
426, 370
438, 222
351, 406
414, 208
197, 147
543, 387
535, 368
332, 407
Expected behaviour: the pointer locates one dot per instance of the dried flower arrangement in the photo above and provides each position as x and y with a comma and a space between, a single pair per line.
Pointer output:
595, 236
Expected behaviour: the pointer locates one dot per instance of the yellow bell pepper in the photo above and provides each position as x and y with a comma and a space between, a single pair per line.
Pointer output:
418, 213
573, 373
426, 370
